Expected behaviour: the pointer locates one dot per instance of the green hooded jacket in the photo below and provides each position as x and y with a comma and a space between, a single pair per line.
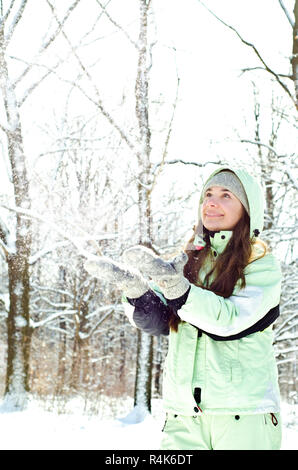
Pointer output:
235, 376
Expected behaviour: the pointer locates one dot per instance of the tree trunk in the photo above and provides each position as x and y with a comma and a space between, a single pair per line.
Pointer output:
19, 334
79, 345
142, 398
61, 374
18, 321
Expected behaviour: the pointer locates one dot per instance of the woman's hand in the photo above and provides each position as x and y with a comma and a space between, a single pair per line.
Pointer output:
168, 275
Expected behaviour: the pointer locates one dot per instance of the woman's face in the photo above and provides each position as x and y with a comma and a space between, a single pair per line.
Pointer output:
221, 210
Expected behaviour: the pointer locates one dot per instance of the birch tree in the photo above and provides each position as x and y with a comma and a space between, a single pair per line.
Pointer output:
145, 342
19, 334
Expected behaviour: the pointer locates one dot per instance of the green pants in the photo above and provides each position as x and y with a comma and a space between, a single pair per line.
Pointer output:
222, 432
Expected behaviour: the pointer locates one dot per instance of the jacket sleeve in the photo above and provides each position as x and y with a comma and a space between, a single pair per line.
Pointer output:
149, 313
225, 317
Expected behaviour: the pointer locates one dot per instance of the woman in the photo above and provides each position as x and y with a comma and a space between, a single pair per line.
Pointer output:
217, 302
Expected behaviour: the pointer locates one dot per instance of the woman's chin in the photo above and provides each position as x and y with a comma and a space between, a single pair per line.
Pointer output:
213, 227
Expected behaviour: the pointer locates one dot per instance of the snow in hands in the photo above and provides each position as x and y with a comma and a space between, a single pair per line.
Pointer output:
167, 274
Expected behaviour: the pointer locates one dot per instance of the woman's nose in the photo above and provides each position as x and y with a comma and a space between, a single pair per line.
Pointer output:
211, 201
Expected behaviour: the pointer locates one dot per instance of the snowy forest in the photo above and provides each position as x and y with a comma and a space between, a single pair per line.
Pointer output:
112, 113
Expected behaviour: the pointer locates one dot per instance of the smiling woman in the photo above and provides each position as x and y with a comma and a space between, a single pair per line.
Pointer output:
224, 201
220, 385
221, 210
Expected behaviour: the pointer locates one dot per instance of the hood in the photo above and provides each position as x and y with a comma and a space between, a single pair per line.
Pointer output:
255, 198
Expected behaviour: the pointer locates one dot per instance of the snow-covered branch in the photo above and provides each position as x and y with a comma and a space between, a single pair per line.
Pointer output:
53, 290
109, 309
269, 147
15, 21
290, 19
4, 128
4, 17
183, 162
51, 318
5, 248
118, 26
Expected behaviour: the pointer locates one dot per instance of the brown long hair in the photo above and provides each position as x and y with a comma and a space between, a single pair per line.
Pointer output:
229, 266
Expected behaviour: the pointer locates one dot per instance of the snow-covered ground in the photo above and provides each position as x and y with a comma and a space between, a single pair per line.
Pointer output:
39, 429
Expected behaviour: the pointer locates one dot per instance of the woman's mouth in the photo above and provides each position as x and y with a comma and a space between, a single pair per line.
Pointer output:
207, 214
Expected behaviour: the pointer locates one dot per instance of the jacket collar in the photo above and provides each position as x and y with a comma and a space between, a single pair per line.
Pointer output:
219, 240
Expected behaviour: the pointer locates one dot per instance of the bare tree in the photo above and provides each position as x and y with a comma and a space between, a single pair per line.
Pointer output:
18, 253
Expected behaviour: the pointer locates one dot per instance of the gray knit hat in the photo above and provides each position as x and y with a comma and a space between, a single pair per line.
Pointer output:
229, 181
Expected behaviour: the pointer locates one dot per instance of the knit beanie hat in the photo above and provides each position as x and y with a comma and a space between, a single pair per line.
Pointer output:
229, 181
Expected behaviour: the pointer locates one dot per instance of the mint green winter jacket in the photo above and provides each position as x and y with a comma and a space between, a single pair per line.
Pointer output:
234, 376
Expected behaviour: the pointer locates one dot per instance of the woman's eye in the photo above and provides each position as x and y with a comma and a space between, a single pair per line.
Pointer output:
226, 195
